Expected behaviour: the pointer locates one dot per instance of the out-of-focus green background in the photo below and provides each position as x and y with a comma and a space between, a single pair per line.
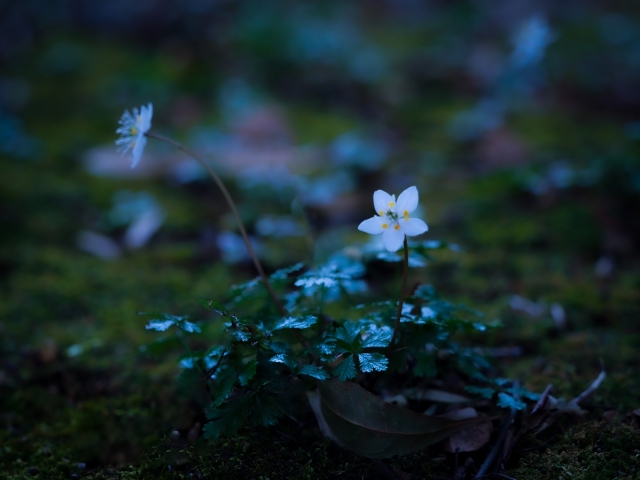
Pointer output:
518, 121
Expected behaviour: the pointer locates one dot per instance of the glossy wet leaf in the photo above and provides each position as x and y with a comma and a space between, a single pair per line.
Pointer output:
247, 372
212, 305
507, 401
166, 320
293, 322
365, 424
373, 361
346, 369
313, 371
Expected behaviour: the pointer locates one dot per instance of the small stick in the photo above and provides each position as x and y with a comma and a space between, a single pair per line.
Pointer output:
496, 447
590, 390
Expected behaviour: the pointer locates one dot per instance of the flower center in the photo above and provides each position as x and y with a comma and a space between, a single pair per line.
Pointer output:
391, 215
134, 130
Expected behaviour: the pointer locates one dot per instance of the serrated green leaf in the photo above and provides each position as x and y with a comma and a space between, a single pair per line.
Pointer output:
293, 322
520, 391
313, 371
426, 292
159, 325
189, 327
247, 371
227, 418
284, 359
348, 332
222, 386
373, 361
284, 273
321, 281
265, 411
507, 401
345, 370
378, 338
210, 304
167, 320
486, 392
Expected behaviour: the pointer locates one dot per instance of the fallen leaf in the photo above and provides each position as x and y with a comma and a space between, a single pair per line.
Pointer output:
364, 423
434, 395
470, 439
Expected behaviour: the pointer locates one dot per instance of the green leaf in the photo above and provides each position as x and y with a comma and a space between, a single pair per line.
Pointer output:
349, 332
189, 327
247, 371
507, 401
240, 335
284, 273
222, 386
159, 325
346, 369
227, 418
365, 424
167, 320
373, 361
322, 281
213, 305
285, 359
378, 338
265, 411
292, 322
520, 391
313, 371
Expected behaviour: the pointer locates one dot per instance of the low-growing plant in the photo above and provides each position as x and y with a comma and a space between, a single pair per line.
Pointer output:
321, 335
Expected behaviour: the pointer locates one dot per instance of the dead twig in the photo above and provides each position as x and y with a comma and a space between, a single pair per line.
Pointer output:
590, 390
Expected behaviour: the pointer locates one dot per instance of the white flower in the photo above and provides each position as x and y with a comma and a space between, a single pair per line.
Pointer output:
393, 220
132, 128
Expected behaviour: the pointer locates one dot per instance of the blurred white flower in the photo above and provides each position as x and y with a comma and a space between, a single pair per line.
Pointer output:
133, 126
393, 219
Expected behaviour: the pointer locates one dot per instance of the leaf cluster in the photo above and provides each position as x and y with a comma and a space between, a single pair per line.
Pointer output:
266, 361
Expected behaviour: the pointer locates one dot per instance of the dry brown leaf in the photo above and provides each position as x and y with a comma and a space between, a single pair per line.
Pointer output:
469, 439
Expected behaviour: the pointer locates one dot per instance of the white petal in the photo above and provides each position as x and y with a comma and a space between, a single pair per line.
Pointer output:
146, 113
372, 226
382, 202
413, 226
408, 200
392, 239
138, 148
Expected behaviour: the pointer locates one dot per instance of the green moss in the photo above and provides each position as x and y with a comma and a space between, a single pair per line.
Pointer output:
591, 451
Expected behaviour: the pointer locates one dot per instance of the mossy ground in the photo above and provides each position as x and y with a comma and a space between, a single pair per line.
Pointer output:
109, 411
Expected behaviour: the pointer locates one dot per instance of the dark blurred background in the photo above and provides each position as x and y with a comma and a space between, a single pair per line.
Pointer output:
518, 121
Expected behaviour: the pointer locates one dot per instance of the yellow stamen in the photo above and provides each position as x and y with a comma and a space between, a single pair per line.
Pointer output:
406, 216
134, 130
391, 204
385, 225
397, 227
381, 212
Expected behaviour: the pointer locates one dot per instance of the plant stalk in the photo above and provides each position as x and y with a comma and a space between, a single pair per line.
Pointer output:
234, 210
403, 289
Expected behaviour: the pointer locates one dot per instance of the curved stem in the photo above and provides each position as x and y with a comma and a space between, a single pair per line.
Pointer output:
234, 210
396, 327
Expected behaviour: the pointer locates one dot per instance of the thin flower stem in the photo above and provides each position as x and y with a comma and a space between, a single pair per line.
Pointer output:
234, 210
403, 289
